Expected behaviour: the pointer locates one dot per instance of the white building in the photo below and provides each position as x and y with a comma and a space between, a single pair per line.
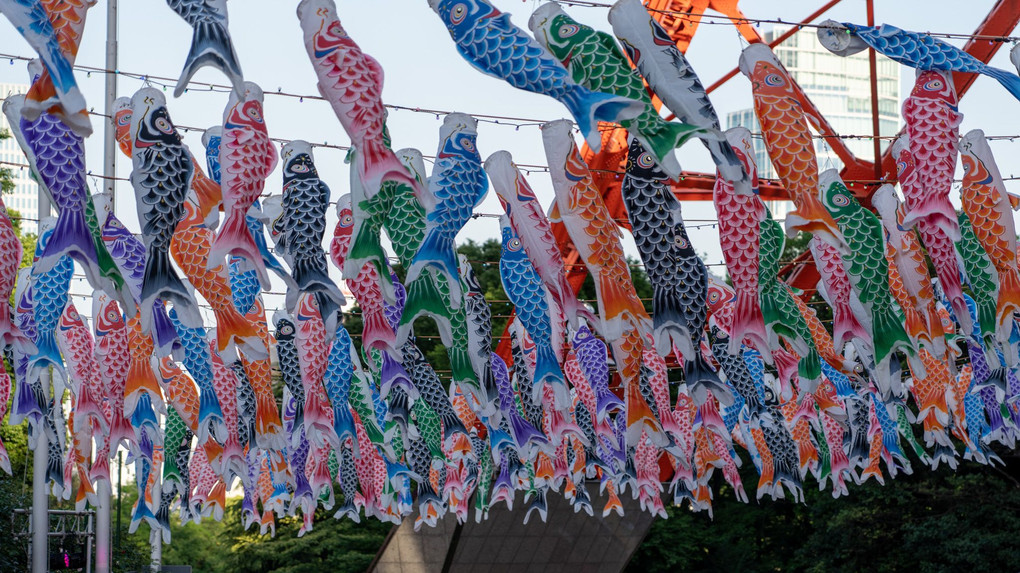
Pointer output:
841, 89
25, 196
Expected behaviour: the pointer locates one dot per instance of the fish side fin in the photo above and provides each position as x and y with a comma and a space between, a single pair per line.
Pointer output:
71, 236
211, 46
233, 329
749, 323
589, 108
423, 298
235, 238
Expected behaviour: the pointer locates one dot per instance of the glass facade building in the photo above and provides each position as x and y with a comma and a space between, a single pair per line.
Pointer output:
25, 196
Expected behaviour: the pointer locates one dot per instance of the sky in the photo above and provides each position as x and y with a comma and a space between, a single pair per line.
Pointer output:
423, 70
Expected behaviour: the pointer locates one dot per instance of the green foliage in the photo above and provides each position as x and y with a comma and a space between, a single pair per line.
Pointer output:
947, 520
332, 545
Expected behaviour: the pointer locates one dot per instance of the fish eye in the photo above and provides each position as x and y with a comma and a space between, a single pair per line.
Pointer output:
347, 220
299, 168
253, 112
681, 242
458, 13
163, 124
774, 80
568, 30
841, 200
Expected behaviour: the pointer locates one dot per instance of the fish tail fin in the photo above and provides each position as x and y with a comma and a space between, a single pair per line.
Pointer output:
452, 425
539, 504
617, 301
71, 236
47, 354
312, 276
88, 406
343, 423
640, 417
366, 249
608, 402
701, 378
888, 334
377, 332
235, 238
141, 378
845, 326
438, 251
547, 368
422, 296
160, 280
377, 163
164, 334
209, 415
121, 432
211, 46
268, 427
1009, 80
141, 512
664, 138
809, 370
523, 432
810, 216
934, 209
11, 334
1009, 299
748, 322
5, 459
590, 107
613, 504
729, 165
232, 329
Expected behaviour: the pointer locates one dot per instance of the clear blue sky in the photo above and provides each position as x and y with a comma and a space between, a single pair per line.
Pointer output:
423, 70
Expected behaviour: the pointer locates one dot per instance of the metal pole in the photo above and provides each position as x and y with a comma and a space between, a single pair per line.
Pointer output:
103, 492
873, 65
120, 490
103, 527
110, 135
156, 555
88, 546
40, 497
